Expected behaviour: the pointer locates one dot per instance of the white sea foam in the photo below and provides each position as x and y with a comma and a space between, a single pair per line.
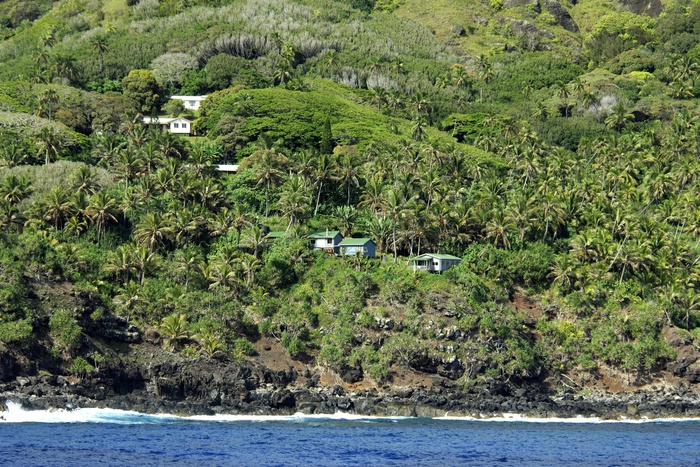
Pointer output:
514, 417
17, 414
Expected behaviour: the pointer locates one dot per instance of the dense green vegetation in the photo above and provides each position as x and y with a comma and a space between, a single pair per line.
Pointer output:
560, 165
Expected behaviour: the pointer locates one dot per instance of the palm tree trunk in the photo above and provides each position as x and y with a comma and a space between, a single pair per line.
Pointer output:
318, 197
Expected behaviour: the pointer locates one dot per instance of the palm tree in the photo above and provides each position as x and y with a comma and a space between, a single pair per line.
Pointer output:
57, 207
47, 100
101, 210
563, 93
619, 117
9, 215
173, 328
144, 261
15, 188
49, 142
84, 181
294, 199
418, 128
255, 240
379, 96
498, 227
187, 261
379, 228
152, 230
120, 263
129, 297
324, 170
348, 172
373, 195
394, 207
12, 155
269, 174
250, 264
128, 165
563, 272
224, 276
346, 217
98, 44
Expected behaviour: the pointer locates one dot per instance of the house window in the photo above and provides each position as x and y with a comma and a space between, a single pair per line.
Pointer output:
176, 125
329, 241
435, 263
192, 103
184, 125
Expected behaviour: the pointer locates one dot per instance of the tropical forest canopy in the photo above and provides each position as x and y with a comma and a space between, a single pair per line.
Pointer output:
553, 146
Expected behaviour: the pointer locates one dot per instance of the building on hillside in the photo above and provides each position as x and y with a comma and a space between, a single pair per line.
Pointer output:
190, 102
361, 246
231, 168
177, 125
274, 235
327, 241
435, 262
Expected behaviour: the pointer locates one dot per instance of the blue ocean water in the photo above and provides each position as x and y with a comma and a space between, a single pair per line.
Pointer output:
106, 437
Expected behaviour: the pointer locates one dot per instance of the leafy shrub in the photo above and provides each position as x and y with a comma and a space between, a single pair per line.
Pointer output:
331, 356
293, 344
80, 367
64, 330
244, 346
18, 331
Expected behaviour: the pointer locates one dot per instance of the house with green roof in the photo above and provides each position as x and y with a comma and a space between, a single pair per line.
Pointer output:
434, 262
355, 246
328, 240
274, 235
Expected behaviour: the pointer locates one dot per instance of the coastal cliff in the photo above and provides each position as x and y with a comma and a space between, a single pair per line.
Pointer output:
143, 377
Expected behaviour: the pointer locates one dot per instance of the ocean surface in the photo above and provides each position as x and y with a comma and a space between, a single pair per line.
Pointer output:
110, 437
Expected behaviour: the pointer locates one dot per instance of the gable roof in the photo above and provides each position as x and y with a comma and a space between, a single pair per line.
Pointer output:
355, 241
164, 121
275, 234
323, 234
189, 98
435, 256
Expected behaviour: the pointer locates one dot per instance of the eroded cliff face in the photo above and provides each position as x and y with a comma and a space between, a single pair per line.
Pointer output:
137, 372
145, 378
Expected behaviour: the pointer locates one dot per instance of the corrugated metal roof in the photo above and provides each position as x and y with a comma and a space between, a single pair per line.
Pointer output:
354, 241
323, 234
435, 256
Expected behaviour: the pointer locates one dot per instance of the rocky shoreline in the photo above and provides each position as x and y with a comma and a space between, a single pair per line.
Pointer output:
208, 387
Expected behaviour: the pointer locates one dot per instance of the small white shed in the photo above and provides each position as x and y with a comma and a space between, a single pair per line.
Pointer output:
435, 262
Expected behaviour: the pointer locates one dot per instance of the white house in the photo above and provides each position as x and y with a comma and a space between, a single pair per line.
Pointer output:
435, 262
177, 125
233, 168
190, 102
353, 246
328, 241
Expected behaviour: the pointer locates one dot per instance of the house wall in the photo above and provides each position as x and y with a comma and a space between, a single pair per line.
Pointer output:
368, 249
325, 242
190, 102
180, 127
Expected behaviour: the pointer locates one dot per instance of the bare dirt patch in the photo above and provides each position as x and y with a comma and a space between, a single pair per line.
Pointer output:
527, 305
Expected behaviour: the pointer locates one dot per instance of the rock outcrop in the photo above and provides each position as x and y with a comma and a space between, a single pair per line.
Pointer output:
206, 386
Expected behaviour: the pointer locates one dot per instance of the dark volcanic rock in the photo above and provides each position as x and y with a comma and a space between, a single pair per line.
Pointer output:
562, 16
651, 8
351, 374
9, 368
